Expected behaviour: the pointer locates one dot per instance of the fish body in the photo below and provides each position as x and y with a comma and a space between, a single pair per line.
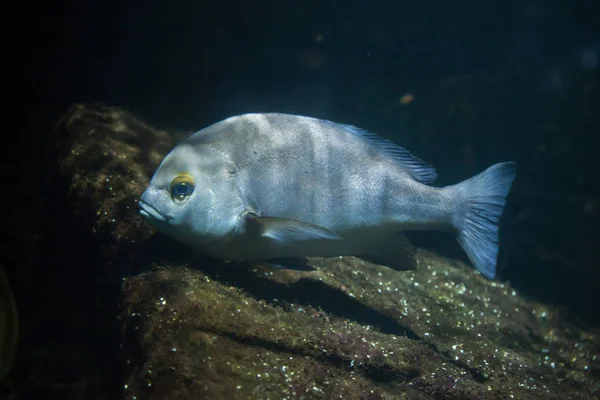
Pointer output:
278, 188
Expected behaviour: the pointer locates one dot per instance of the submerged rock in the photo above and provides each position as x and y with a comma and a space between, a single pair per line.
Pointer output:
195, 327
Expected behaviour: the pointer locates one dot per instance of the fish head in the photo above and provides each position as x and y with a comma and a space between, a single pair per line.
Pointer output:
192, 198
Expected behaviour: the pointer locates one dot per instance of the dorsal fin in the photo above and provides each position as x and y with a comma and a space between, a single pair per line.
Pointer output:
418, 169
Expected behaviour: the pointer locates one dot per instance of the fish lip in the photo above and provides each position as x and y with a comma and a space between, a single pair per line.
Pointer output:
149, 212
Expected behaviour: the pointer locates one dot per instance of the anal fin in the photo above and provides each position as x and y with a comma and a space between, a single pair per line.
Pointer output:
394, 251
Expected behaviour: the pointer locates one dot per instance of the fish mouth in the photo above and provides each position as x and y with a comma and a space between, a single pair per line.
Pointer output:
151, 213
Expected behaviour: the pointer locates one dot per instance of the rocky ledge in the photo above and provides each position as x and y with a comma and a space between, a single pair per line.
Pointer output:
194, 327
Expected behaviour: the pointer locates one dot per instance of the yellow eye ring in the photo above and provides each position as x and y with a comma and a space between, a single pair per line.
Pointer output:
181, 188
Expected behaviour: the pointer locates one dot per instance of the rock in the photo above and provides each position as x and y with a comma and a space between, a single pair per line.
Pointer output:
108, 163
194, 327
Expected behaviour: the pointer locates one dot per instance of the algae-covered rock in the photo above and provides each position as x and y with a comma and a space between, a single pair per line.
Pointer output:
108, 161
195, 327
365, 333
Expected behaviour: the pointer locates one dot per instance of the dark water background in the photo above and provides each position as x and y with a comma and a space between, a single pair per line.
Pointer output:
491, 81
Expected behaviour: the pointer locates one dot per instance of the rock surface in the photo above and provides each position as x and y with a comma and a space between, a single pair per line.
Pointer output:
194, 327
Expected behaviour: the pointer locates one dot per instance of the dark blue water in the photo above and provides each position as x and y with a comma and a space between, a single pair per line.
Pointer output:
461, 84
490, 81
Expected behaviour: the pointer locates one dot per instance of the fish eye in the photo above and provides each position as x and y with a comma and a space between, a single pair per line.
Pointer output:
181, 188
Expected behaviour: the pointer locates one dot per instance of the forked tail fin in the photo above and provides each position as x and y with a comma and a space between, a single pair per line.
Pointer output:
481, 201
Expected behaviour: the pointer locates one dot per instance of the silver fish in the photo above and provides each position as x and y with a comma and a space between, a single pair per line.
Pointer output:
278, 188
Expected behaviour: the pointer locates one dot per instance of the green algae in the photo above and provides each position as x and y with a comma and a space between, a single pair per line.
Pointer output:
109, 160
192, 326
216, 338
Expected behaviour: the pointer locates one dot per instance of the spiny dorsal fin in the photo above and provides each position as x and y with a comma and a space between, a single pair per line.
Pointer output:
418, 169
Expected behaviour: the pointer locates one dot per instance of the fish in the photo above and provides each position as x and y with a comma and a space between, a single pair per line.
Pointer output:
277, 188
9, 324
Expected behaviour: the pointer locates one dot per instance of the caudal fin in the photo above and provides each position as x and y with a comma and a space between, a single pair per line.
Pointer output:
481, 201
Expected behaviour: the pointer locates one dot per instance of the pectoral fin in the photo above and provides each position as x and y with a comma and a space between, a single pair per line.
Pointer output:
289, 230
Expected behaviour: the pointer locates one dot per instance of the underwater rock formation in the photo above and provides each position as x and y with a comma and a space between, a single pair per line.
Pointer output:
195, 327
